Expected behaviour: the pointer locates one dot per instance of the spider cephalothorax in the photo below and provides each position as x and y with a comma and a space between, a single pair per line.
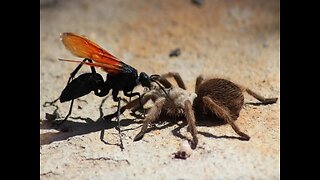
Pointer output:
176, 97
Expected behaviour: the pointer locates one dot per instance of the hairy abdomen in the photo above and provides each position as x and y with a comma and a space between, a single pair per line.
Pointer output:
221, 91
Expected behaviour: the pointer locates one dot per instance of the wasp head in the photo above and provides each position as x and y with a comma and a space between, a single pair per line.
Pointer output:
144, 79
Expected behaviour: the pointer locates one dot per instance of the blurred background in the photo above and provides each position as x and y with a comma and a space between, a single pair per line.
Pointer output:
235, 39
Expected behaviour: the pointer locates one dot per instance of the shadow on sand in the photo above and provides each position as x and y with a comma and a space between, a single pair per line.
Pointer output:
70, 128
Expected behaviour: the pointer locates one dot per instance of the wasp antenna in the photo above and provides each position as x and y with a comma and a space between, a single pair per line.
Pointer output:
155, 76
60, 59
160, 86
86, 63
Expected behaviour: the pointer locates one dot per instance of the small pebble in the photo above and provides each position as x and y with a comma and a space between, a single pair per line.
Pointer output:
184, 151
51, 117
197, 2
175, 52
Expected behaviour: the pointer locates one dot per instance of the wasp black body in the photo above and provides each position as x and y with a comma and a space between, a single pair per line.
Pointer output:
125, 81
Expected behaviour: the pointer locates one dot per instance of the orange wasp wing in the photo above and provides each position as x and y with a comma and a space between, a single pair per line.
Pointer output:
84, 48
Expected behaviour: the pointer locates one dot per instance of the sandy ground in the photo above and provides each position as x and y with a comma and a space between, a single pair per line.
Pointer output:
238, 40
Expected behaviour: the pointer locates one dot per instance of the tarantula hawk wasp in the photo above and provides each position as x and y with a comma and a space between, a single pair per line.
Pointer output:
120, 76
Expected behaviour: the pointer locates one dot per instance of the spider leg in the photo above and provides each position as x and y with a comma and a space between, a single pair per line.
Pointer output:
163, 80
145, 98
261, 98
199, 81
224, 114
191, 122
152, 115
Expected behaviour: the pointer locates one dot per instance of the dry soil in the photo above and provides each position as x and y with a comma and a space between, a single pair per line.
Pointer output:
237, 40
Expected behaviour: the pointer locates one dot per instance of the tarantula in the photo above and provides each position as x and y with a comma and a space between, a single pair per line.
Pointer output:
213, 97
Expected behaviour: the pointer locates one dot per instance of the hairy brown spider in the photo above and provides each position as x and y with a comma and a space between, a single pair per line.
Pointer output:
213, 97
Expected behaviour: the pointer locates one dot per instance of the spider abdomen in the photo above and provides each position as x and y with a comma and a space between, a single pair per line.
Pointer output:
223, 92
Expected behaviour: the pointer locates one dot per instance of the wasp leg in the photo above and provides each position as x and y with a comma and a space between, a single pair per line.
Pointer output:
140, 100
117, 99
